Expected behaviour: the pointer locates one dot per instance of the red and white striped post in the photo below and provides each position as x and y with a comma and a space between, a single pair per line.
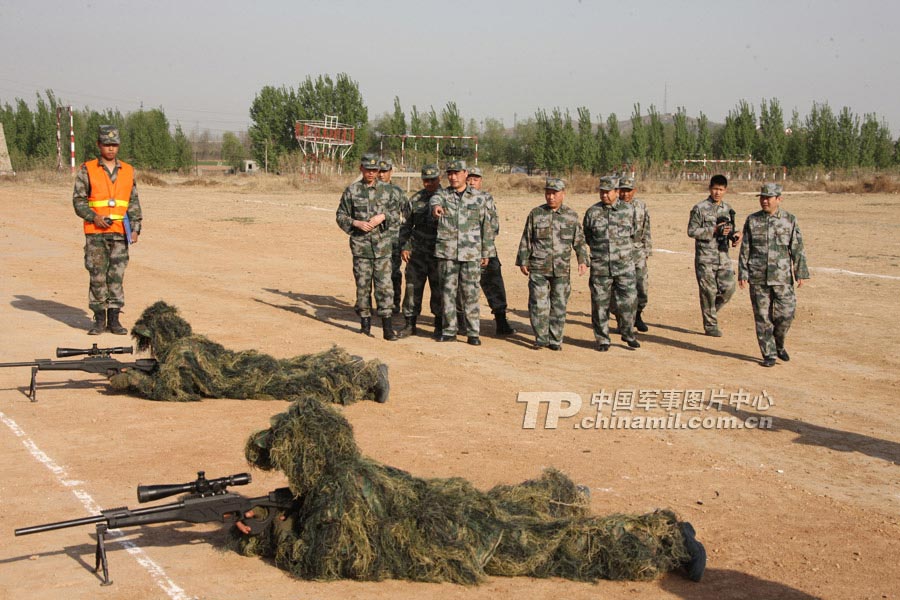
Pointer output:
58, 142
71, 138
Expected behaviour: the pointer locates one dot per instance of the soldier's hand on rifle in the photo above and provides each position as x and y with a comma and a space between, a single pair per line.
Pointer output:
100, 222
244, 528
404, 255
437, 212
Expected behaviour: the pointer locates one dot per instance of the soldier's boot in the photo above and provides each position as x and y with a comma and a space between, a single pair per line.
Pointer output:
99, 325
639, 323
438, 327
502, 325
388, 328
112, 322
408, 329
365, 325
382, 385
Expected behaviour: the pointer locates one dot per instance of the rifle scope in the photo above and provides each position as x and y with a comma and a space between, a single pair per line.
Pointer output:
93, 351
202, 486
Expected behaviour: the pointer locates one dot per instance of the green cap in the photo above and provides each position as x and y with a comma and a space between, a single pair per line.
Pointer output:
626, 182
368, 161
431, 172
385, 164
609, 183
555, 184
476, 171
770, 190
456, 165
108, 135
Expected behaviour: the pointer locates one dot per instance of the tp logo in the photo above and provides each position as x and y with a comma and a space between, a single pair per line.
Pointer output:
555, 408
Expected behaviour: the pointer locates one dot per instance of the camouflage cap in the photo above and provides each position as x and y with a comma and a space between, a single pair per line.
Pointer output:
456, 165
555, 184
626, 182
108, 135
609, 183
476, 171
431, 172
385, 165
368, 161
770, 190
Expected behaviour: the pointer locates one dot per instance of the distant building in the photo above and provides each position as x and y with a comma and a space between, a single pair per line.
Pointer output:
249, 166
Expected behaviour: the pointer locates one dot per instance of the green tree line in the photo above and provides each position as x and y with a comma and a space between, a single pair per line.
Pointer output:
148, 141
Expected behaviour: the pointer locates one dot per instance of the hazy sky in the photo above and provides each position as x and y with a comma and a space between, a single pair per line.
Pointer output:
204, 62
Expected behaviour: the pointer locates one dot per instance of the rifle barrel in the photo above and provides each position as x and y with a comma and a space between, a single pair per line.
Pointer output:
60, 525
20, 364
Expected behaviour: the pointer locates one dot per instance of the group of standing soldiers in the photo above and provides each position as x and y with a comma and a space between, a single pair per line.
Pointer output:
446, 237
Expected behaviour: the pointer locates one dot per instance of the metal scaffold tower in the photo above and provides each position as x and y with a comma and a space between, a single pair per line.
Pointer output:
325, 144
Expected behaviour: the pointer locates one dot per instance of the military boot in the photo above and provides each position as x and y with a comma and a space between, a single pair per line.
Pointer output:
382, 385
408, 329
112, 322
502, 325
99, 325
438, 327
365, 325
388, 328
639, 323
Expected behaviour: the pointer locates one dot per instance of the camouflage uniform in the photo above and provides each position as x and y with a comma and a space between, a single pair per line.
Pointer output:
105, 254
491, 276
715, 275
546, 249
771, 258
418, 235
611, 232
371, 250
464, 237
643, 249
399, 212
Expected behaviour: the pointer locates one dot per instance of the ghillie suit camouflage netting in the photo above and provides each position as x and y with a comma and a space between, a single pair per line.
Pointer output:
359, 519
192, 367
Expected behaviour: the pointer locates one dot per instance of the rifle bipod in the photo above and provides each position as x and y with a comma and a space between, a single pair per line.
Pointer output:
100, 554
32, 391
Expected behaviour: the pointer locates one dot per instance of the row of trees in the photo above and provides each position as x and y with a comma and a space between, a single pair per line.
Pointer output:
148, 141
553, 140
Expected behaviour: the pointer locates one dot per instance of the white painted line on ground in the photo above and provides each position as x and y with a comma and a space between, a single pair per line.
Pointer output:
156, 572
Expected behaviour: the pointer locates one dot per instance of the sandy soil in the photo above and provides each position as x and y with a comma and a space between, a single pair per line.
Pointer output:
806, 509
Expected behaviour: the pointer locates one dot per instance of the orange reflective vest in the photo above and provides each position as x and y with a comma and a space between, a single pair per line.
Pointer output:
109, 199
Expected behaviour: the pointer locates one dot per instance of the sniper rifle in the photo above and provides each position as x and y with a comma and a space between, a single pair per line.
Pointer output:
206, 501
99, 360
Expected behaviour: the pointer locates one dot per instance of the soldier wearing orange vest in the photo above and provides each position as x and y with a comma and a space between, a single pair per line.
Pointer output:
106, 199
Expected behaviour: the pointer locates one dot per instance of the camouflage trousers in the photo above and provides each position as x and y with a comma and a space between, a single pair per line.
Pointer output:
547, 300
773, 311
370, 272
603, 289
642, 280
460, 277
492, 285
396, 274
105, 258
421, 267
717, 284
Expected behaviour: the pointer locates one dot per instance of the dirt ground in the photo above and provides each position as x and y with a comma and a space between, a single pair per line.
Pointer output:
805, 509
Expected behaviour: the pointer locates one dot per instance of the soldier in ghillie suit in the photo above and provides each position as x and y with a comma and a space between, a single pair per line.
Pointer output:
418, 235
611, 231
551, 232
356, 518
771, 259
367, 212
106, 199
464, 243
192, 367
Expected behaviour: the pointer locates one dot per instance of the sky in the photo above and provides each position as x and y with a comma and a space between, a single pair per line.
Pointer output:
204, 62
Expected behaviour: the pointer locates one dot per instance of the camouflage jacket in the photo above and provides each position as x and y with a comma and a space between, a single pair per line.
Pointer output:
493, 219
611, 232
83, 190
464, 232
772, 250
701, 227
548, 240
644, 244
360, 202
419, 231
398, 208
